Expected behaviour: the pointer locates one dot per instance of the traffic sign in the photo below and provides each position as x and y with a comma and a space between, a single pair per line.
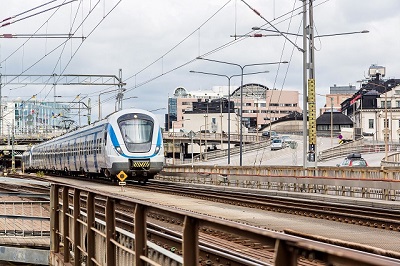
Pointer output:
122, 176
191, 134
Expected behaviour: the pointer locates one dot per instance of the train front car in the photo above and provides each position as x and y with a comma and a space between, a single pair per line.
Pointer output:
134, 145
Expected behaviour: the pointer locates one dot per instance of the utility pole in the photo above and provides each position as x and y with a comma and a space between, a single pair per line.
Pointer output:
1, 109
309, 107
312, 128
12, 149
305, 113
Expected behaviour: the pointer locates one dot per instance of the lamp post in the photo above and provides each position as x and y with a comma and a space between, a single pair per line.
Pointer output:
242, 67
173, 139
331, 121
120, 92
201, 158
229, 100
386, 133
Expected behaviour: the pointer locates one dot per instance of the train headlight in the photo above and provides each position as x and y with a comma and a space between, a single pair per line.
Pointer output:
119, 150
157, 150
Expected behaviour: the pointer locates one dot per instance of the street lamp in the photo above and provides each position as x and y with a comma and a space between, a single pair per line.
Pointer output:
205, 141
242, 67
229, 100
332, 121
173, 139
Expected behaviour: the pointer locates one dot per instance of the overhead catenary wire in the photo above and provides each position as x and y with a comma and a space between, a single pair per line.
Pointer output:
277, 72
65, 42
35, 14
219, 48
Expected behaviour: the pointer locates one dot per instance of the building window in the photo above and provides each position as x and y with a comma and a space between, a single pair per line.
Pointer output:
397, 103
388, 104
371, 123
386, 123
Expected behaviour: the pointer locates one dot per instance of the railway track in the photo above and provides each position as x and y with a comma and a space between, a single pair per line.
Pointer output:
165, 231
352, 214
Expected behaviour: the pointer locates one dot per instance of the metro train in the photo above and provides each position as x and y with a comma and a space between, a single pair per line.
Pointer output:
129, 140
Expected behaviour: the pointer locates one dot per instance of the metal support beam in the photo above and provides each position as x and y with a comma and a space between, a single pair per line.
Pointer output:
140, 234
24, 255
190, 241
90, 241
110, 232
54, 219
283, 256
77, 229
65, 224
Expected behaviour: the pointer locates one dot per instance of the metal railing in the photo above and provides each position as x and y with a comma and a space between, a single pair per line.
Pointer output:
235, 150
358, 146
79, 237
362, 182
392, 160
24, 218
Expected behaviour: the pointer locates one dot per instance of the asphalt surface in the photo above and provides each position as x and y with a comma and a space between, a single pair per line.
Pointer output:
290, 157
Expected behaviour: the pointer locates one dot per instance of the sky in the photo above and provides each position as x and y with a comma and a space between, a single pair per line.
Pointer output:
155, 43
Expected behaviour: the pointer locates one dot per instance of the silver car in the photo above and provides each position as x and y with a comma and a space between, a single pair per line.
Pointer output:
277, 144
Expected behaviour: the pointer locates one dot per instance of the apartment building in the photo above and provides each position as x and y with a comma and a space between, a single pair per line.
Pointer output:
260, 104
337, 95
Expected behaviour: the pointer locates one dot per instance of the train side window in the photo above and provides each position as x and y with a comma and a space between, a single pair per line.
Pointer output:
105, 138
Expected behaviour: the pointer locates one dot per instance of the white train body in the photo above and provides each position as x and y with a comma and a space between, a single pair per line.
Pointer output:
129, 140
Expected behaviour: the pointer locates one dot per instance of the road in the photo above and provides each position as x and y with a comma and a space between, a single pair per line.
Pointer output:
290, 157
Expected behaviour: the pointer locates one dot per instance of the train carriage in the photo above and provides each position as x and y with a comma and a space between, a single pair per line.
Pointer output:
128, 140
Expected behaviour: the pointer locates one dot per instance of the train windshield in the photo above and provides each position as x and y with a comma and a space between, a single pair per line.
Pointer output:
137, 134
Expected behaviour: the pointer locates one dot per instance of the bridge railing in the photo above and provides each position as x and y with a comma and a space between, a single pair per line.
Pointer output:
363, 182
215, 137
234, 150
392, 160
358, 146
87, 230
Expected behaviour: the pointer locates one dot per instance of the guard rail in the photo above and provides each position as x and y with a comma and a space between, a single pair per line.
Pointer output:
364, 182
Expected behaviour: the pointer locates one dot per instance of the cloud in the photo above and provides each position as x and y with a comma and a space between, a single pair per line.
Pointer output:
153, 42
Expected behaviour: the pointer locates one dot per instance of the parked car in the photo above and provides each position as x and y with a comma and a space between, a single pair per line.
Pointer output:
277, 144
353, 160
